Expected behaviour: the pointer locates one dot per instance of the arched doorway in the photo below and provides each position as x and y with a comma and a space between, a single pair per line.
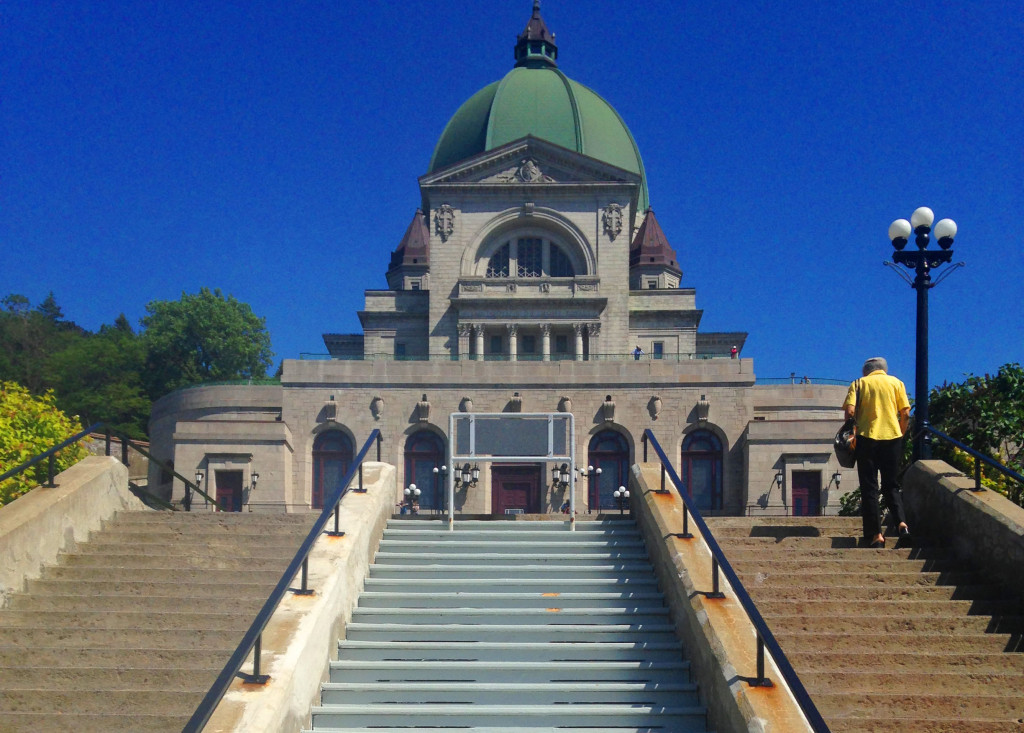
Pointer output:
332, 457
425, 451
701, 469
608, 451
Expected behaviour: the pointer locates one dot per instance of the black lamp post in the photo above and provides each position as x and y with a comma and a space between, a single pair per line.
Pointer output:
922, 261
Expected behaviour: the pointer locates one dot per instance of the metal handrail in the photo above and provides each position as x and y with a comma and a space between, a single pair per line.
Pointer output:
977, 457
126, 442
765, 638
252, 640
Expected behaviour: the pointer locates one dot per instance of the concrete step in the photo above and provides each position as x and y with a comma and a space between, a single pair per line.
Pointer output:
513, 546
633, 571
878, 563
121, 702
864, 578
167, 588
893, 607
302, 519
510, 693
521, 616
909, 661
861, 593
248, 599
346, 670
134, 722
546, 524
897, 624
54, 659
102, 679
939, 706
520, 584
806, 643
510, 652
210, 620
681, 719
172, 563
115, 638
821, 523
463, 534
922, 682
556, 599
921, 725
526, 558
549, 633
500, 729
182, 576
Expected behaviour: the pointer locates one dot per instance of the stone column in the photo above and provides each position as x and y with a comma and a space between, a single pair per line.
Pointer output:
465, 330
593, 335
513, 341
478, 330
578, 328
545, 341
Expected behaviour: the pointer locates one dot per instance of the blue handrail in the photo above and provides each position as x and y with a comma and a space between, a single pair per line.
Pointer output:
977, 457
765, 638
252, 639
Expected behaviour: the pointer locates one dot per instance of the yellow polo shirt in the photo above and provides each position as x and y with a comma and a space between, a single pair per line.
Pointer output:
881, 399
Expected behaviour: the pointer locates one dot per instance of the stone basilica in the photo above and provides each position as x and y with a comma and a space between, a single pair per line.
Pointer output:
533, 278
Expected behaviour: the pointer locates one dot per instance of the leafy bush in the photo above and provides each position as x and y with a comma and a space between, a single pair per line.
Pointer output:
30, 425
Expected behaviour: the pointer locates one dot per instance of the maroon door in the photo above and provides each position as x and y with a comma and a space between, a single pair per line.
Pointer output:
806, 493
515, 489
229, 491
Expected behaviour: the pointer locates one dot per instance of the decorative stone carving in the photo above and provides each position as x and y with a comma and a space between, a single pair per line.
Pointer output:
703, 408
611, 217
608, 409
377, 406
516, 403
444, 221
465, 329
473, 288
528, 208
654, 407
589, 287
545, 287
511, 287
594, 329
331, 409
565, 404
513, 329
466, 405
423, 409
578, 328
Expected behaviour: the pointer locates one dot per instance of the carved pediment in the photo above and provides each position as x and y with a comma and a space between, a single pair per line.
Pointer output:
529, 161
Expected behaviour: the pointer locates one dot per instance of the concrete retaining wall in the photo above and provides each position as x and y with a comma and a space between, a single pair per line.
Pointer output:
36, 527
304, 632
983, 527
717, 636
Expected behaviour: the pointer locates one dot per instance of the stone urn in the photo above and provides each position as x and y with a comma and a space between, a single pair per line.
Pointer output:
377, 407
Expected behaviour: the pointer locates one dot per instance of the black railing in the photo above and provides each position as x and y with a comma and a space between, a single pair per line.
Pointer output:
126, 443
252, 641
765, 638
979, 458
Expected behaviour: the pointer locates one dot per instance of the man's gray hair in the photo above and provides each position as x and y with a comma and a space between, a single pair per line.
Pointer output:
874, 364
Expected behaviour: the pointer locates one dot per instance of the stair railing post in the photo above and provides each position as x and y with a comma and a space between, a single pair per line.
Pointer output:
51, 471
761, 680
379, 439
124, 450
977, 474
304, 590
662, 490
644, 440
106, 441
715, 592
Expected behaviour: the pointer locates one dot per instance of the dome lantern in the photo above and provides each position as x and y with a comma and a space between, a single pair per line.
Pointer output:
535, 46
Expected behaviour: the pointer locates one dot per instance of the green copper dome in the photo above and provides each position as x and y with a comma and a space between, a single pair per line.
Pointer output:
535, 98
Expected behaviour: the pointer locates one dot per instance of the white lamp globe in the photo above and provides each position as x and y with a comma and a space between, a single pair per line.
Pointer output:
945, 230
922, 217
899, 229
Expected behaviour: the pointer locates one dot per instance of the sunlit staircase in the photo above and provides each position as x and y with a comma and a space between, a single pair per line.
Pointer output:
902, 638
510, 626
128, 632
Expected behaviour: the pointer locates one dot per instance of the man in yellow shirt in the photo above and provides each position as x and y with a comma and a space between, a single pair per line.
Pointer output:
882, 410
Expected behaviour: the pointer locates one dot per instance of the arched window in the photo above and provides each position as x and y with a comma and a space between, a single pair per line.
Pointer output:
608, 451
529, 257
498, 264
701, 469
424, 451
332, 457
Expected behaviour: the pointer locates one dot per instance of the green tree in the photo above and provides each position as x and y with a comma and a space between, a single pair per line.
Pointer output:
203, 337
29, 337
30, 425
987, 414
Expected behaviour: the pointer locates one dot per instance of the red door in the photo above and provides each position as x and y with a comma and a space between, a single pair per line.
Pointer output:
516, 489
229, 491
806, 493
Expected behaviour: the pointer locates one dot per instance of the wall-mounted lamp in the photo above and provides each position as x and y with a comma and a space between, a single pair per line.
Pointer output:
560, 476
837, 477
199, 477
253, 478
779, 477
467, 476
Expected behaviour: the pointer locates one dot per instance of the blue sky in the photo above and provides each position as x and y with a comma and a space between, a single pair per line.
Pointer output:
272, 150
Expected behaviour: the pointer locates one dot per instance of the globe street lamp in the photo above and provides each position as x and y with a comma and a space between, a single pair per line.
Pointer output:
922, 261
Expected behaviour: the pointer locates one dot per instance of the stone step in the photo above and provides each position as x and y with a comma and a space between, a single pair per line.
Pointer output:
893, 607
463, 534
546, 524
521, 584
345, 670
879, 676
129, 722
865, 578
513, 546
879, 563
103, 679
197, 591
898, 624
876, 593
247, 599
827, 522
683, 694
251, 537
302, 519
549, 633
172, 563
32, 638
939, 706
908, 661
740, 554
105, 657
153, 702
501, 729
182, 576
209, 620
918, 725
800, 643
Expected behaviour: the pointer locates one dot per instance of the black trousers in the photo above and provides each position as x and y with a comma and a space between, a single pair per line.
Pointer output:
876, 457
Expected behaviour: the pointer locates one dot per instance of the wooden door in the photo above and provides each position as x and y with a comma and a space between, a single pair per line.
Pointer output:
515, 489
229, 491
806, 493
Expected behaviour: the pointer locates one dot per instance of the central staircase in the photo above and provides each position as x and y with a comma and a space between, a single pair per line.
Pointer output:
904, 638
510, 626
